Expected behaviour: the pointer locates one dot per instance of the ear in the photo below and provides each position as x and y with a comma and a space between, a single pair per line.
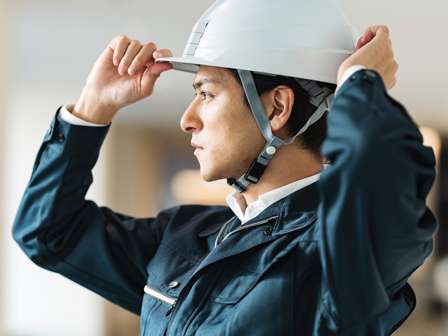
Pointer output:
278, 104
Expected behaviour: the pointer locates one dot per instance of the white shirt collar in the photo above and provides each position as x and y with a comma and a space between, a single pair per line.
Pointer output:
237, 202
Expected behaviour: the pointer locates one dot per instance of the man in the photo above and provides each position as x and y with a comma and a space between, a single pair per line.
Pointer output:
299, 252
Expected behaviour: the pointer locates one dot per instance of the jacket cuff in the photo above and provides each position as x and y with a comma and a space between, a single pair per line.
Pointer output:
75, 139
69, 117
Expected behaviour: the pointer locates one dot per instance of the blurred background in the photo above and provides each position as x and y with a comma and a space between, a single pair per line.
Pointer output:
47, 49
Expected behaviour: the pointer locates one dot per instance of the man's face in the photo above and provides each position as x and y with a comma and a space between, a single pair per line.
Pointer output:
222, 125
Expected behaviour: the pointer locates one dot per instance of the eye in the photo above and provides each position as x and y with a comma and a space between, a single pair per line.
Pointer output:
205, 94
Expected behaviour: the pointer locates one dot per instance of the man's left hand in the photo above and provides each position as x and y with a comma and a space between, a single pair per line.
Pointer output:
374, 51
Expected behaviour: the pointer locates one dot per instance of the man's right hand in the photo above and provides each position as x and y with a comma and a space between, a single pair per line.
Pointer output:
124, 74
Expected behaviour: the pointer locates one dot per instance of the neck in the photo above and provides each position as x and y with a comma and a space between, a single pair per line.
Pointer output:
289, 164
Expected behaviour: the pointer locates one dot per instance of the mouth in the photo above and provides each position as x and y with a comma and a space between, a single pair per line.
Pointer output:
196, 146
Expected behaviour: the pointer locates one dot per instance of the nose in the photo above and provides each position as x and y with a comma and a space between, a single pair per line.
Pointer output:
190, 121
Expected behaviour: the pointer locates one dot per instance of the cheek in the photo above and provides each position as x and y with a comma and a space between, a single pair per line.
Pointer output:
234, 141
230, 130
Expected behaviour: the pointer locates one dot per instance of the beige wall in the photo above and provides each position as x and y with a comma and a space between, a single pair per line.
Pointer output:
4, 29
134, 169
133, 187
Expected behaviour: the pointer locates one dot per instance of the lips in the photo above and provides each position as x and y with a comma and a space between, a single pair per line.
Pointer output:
196, 146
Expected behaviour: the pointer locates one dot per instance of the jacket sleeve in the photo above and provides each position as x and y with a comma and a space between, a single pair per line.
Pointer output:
376, 228
61, 231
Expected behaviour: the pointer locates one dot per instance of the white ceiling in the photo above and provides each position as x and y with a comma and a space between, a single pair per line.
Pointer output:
56, 43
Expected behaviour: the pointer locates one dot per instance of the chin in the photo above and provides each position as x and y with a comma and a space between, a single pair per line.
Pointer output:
209, 175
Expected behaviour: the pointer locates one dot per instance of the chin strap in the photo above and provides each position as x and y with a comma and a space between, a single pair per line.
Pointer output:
320, 97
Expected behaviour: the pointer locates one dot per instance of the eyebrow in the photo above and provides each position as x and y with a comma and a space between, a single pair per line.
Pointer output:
197, 85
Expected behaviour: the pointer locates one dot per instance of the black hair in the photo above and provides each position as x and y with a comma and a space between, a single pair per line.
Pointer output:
302, 109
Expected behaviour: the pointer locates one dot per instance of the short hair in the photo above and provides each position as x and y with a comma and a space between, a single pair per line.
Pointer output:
302, 109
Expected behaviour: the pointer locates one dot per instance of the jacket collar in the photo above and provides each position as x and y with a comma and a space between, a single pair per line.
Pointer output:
296, 210
235, 199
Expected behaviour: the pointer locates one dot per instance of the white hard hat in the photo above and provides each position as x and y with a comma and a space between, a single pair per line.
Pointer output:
296, 38
304, 39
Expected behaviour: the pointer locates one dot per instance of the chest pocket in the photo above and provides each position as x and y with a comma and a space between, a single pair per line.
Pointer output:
281, 269
238, 287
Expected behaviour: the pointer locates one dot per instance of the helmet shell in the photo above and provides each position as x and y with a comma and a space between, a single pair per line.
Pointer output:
295, 38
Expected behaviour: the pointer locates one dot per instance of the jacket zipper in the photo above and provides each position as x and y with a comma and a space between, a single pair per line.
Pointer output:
243, 227
223, 228
159, 296
174, 307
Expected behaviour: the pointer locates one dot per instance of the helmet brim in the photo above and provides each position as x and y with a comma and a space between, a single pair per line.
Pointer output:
186, 64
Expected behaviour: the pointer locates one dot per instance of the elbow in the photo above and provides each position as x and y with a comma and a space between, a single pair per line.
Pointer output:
382, 150
29, 241
19, 229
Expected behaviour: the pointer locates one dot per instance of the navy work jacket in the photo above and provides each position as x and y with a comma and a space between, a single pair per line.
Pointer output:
330, 259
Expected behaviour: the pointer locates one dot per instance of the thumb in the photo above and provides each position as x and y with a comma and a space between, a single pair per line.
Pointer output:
150, 76
158, 68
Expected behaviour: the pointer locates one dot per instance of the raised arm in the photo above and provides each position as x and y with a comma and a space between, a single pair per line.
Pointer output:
55, 225
376, 227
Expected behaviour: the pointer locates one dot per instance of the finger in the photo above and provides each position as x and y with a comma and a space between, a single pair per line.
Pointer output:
158, 68
360, 43
151, 75
389, 73
119, 45
382, 45
132, 50
379, 30
395, 68
365, 38
142, 58
378, 34
392, 83
159, 53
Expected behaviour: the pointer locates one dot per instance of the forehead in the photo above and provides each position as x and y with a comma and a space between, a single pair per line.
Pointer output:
214, 75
